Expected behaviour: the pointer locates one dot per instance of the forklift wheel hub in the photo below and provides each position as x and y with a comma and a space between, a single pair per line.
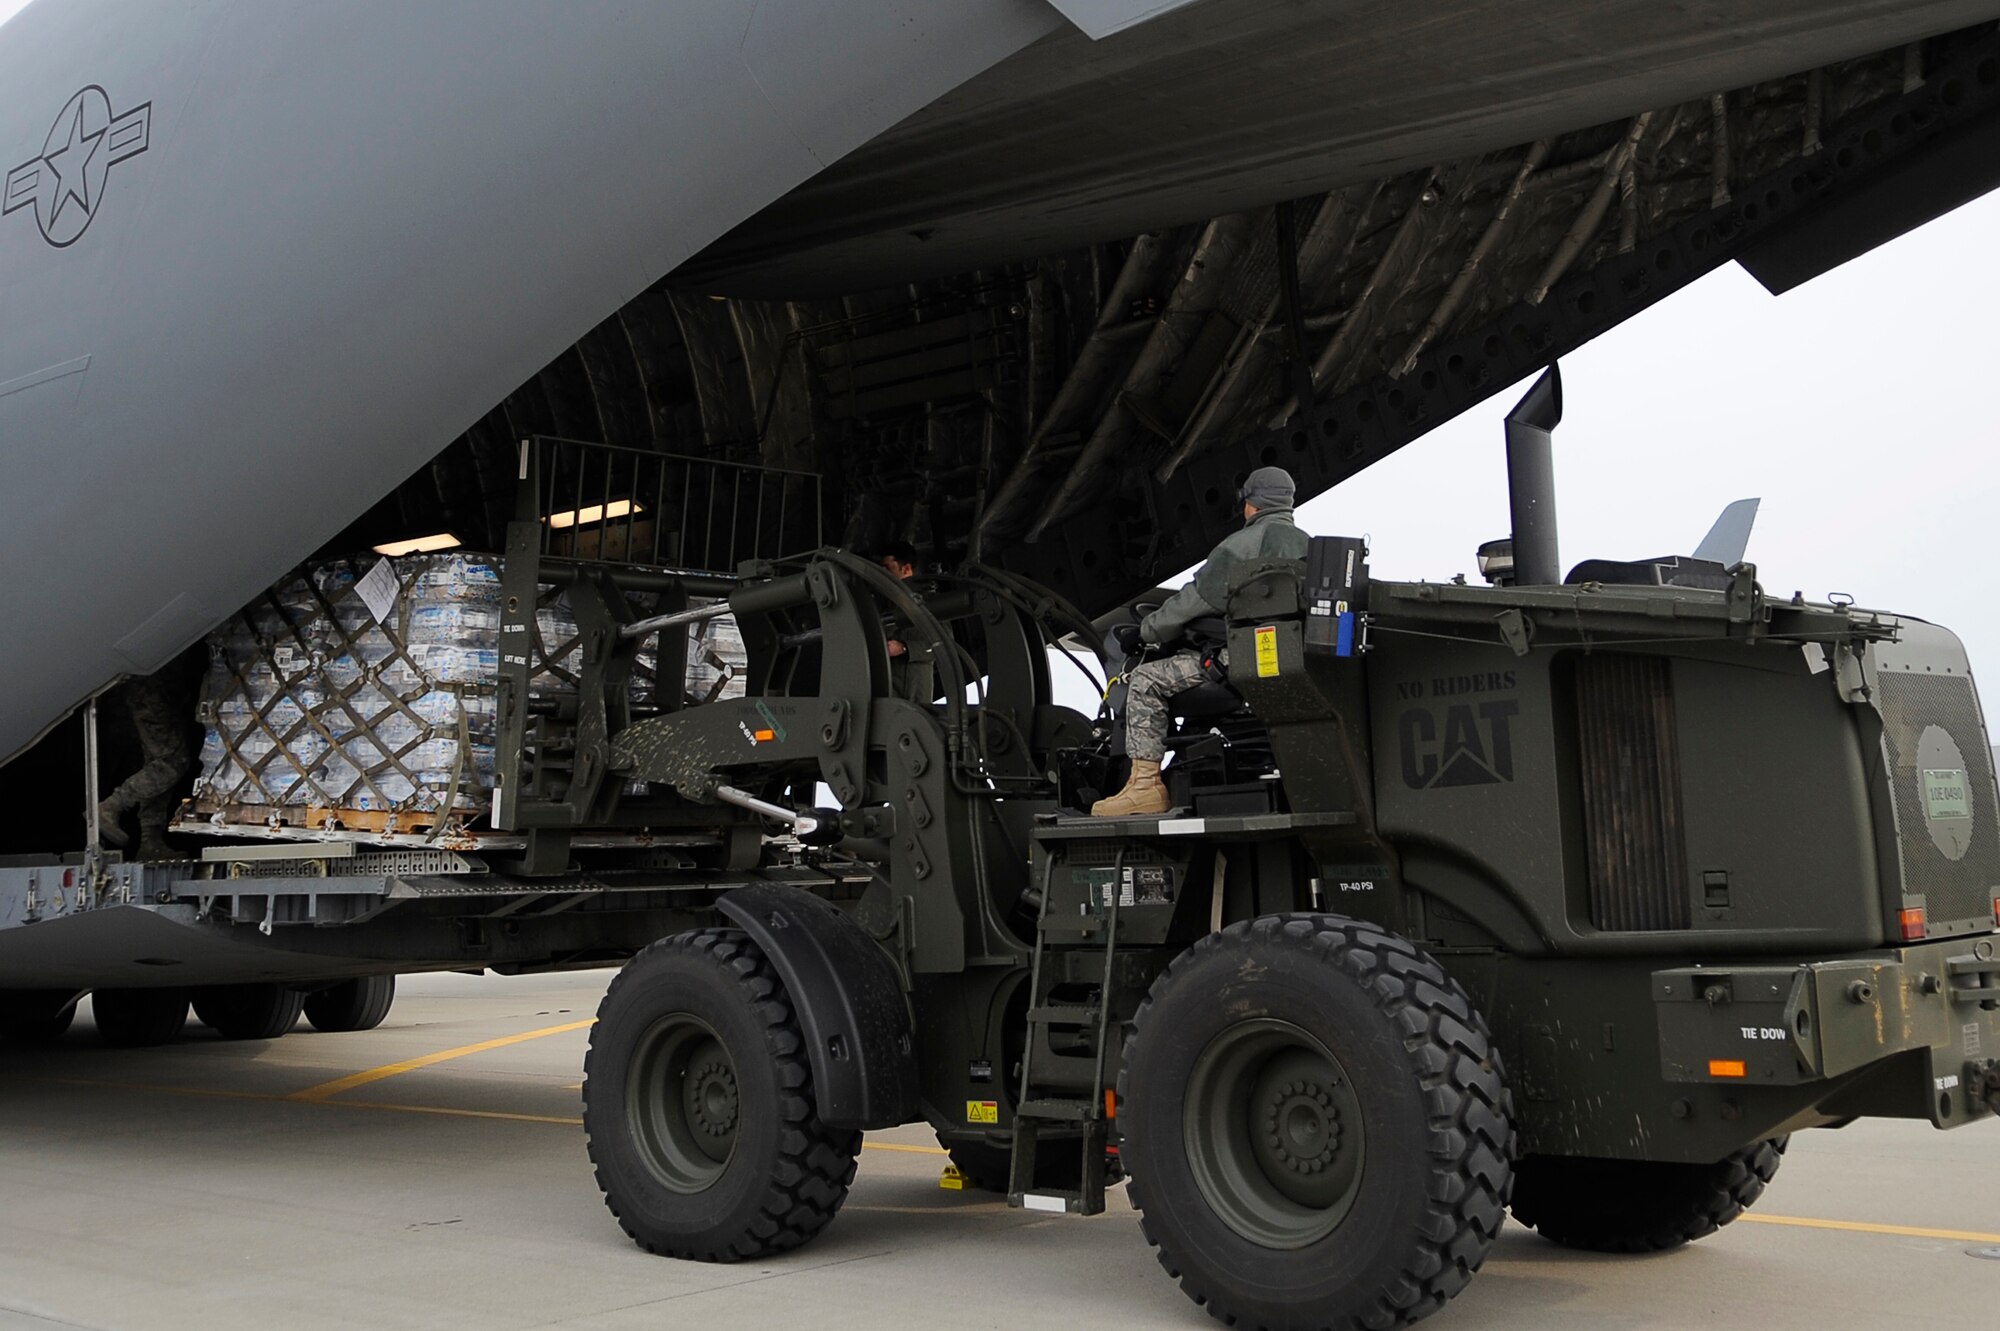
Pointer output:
683, 1103
1273, 1134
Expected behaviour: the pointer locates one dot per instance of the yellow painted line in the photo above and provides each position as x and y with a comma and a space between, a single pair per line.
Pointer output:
452, 1113
1857, 1227
331, 1088
898, 1146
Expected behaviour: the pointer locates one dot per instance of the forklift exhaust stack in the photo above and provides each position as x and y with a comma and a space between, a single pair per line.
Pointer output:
1531, 481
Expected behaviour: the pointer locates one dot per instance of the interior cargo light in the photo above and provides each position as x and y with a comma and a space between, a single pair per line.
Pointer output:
578, 517
418, 545
1728, 1067
1913, 923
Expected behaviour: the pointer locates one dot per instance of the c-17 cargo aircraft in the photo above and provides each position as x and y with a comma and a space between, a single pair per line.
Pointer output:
657, 301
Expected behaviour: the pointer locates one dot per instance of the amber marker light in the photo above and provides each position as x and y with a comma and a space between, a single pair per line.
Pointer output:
1913, 923
1728, 1067
1996, 912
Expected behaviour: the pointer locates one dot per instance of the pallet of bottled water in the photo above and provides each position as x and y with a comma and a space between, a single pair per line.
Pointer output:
360, 695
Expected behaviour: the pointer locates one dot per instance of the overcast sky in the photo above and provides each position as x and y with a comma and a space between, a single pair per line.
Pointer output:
1859, 407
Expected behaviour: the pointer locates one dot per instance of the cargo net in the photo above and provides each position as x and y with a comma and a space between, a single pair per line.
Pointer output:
356, 697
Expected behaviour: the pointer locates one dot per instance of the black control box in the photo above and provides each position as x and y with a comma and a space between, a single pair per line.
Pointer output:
1336, 591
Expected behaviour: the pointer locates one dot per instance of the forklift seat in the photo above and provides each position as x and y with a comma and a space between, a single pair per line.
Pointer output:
1213, 698
1205, 701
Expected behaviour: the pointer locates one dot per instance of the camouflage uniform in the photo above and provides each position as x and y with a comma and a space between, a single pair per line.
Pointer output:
155, 788
1268, 535
1148, 689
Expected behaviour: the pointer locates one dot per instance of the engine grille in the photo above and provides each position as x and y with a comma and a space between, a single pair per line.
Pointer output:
1631, 773
1960, 889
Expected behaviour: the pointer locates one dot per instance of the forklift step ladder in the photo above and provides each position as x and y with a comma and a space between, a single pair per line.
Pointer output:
1059, 1091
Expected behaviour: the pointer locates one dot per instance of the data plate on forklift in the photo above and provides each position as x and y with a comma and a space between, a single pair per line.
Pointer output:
1138, 889
1134, 885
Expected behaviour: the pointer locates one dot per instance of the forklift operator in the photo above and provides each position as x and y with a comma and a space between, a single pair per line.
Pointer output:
1268, 533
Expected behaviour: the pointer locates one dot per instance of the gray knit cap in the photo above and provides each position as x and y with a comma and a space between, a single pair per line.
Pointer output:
1268, 487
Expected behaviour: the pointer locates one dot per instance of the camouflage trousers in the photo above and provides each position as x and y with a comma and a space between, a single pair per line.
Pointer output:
1148, 689
154, 789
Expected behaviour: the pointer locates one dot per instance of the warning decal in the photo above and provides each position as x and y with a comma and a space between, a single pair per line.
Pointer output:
1267, 651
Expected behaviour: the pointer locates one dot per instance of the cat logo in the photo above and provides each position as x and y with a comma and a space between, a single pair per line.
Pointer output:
1471, 748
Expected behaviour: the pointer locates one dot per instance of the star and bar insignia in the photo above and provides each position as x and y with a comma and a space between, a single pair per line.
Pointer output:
66, 183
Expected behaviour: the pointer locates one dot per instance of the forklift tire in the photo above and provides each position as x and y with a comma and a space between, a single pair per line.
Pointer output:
248, 1011
1316, 1124
698, 1106
351, 1005
132, 1018
35, 1016
1058, 1165
1637, 1206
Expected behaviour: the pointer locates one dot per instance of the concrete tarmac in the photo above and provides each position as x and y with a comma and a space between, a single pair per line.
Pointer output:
432, 1173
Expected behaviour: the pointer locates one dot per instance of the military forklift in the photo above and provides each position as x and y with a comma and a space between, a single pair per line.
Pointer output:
1567, 895
1570, 896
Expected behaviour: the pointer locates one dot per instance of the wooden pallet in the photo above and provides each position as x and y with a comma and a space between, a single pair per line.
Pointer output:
220, 818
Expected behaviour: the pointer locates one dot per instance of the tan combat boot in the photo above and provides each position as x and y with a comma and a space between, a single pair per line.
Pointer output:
1144, 793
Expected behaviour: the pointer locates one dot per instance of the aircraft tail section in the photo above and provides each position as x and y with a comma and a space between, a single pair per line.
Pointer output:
1730, 536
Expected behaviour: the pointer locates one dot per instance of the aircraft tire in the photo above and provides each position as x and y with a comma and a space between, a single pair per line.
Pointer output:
35, 1016
134, 1018
352, 1005
698, 1106
248, 1011
1636, 1206
1323, 1143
